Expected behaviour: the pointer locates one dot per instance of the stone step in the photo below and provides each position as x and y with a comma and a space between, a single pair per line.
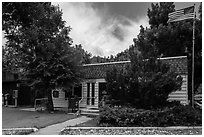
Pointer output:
93, 114
89, 111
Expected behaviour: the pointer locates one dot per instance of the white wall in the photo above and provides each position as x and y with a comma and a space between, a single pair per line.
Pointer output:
181, 95
60, 102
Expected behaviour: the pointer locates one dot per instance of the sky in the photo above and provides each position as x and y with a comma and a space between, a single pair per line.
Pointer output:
107, 28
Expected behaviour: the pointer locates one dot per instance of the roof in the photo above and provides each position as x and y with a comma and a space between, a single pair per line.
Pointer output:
97, 71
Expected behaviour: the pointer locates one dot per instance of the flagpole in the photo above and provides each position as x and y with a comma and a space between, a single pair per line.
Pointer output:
192, 84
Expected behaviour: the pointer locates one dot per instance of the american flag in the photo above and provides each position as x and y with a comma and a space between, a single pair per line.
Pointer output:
182, 14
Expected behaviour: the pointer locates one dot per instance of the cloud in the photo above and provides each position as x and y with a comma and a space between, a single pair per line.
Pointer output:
98, 30
118, 32
98, 51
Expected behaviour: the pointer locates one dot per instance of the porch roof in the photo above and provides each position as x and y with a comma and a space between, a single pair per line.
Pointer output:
97, 71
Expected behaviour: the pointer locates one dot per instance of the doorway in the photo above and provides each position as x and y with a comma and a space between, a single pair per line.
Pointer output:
90, 101
102, 88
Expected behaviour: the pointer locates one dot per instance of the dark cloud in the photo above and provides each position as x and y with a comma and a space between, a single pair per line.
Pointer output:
132, 10
124, 21
118, 33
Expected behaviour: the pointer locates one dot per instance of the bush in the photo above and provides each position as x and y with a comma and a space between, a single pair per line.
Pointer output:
144, 84
169, 116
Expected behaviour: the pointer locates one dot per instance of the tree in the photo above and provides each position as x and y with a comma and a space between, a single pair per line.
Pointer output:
198, 49
86, 56
174, 39
10, 59
38, 35
145, 83
158, 14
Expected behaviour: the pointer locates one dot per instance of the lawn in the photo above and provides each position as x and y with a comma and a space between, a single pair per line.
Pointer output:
16, 118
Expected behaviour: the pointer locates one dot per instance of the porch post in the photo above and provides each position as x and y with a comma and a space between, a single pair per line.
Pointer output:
84, 94
96, 94
90, 94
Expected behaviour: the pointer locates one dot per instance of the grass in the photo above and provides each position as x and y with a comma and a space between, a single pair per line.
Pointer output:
16, 118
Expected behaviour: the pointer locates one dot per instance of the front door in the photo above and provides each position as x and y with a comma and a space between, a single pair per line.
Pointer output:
90, 94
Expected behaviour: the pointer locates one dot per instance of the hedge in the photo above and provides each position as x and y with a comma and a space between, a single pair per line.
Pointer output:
169, 116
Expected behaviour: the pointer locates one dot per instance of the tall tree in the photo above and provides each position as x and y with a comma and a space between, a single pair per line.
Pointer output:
158, 14
173, 39
38, 35
85, 56
144, 83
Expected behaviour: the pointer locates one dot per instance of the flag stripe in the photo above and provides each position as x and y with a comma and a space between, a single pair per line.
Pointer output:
190, 14
175, 16
176, 12
179, 19
187, 16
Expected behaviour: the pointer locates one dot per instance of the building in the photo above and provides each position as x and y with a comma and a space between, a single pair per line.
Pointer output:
10, 82
91, 89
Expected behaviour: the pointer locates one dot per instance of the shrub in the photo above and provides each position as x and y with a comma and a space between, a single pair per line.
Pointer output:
167, 116
144, 84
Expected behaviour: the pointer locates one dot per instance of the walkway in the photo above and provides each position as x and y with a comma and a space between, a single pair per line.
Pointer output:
55, 129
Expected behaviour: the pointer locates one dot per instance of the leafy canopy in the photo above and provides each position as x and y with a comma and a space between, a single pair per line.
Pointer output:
40, 39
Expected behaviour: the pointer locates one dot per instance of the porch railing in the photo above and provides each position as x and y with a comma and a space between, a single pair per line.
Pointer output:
85, 99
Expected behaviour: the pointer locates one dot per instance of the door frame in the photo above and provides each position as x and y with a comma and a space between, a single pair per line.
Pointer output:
96, 92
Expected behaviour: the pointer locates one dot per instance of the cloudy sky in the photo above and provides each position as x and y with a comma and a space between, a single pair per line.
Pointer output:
106, 28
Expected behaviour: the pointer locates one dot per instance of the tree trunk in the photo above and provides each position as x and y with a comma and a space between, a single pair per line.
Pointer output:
50, 106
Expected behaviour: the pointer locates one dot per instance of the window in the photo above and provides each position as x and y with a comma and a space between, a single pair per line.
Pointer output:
93, 94
56, 94
88, 93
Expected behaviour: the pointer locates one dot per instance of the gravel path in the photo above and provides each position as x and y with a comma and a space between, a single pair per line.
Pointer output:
17, 131
131, 132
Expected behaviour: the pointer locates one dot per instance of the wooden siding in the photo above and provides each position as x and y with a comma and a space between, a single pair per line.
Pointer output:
84, 94
60, 102
181, 95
